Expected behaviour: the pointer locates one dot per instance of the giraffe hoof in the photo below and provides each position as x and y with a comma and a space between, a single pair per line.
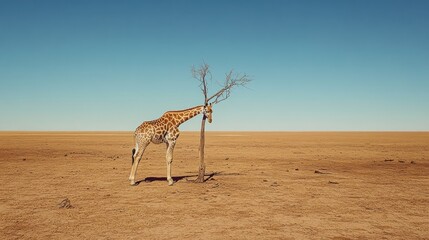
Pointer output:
170, 182
132, 183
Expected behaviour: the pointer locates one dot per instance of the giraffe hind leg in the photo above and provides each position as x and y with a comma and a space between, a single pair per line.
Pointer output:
137, 156
132, 156
133, 153
136, 159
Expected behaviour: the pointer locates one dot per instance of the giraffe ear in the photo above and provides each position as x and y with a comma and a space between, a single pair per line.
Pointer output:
210, 104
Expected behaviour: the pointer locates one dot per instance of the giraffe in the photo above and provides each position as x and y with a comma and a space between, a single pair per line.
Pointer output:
163, 130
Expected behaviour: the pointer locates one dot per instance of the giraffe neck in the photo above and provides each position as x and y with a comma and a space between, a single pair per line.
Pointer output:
184, 115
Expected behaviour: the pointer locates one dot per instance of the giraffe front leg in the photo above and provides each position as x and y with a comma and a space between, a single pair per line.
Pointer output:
169, 178
169, 159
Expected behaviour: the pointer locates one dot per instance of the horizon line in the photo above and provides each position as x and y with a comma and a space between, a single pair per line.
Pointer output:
195, 131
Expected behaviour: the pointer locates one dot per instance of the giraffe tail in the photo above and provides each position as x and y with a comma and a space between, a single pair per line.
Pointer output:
132, 156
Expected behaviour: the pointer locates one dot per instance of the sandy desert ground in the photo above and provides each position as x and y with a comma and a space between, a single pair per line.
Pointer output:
289, 185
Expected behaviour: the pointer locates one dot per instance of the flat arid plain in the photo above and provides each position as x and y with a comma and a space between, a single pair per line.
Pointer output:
261, 185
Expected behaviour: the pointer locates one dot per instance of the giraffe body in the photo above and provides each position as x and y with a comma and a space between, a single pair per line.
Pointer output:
163, 130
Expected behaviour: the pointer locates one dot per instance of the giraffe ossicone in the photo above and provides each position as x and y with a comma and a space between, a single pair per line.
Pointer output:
163, 130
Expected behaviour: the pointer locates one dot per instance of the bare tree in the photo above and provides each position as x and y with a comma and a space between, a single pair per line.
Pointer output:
203, 75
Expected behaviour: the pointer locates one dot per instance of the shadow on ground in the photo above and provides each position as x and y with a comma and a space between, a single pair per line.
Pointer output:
189, 178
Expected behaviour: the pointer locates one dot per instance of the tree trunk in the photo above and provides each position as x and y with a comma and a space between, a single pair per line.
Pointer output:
202, 167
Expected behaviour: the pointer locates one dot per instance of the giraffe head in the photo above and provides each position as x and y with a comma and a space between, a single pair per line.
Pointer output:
208, 112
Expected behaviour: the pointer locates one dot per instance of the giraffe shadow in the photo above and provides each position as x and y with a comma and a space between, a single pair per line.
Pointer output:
207, 177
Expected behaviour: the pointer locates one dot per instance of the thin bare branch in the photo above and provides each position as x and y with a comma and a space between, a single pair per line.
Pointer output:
202, 74
231, 80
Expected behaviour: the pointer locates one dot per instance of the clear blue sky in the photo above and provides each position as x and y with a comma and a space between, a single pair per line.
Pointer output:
316, 65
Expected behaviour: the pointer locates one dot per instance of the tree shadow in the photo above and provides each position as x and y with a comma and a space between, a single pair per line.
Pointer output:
207, 177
